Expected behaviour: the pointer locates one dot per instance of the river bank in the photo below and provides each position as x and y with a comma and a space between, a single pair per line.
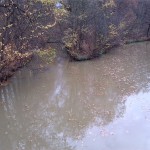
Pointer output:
79, 56
18, 60
14, 61
10, 65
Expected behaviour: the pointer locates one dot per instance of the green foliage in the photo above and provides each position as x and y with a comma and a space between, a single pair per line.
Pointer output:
70, 38
47, 55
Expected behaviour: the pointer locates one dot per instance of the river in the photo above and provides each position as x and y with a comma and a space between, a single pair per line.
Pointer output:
101, 104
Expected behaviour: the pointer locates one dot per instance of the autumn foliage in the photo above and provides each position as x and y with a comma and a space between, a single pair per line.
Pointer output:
84, 28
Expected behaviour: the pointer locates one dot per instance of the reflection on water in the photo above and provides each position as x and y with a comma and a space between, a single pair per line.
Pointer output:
94, 105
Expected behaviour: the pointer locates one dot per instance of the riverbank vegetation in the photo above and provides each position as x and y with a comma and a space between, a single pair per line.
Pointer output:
83, 28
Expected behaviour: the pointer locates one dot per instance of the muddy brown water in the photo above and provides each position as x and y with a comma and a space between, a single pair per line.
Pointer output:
103, 104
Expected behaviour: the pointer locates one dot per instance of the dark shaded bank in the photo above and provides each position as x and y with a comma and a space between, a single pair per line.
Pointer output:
96, 54
8, 67
116, 23
80, 57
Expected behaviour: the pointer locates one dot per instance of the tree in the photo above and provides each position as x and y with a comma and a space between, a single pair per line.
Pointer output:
88, 23
25, 25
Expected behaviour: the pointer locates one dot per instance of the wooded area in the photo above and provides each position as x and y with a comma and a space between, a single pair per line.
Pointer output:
84, 28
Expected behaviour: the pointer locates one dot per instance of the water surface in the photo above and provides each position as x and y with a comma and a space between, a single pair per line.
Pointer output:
103, 104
